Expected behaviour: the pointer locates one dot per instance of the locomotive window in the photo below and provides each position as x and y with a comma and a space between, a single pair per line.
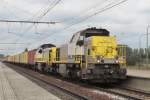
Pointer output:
81, 38
50, 55
88, 51
40, 51
94, 34
72, 38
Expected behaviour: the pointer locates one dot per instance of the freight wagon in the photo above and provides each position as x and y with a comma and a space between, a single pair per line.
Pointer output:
31, 58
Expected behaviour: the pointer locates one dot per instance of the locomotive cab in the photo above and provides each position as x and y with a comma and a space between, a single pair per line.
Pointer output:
44, 56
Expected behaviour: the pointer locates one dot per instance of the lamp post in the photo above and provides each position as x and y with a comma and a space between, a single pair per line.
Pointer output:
140, 44
140, 37
147, 44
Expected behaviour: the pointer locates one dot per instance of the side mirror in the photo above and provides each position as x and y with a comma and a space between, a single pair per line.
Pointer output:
80, 42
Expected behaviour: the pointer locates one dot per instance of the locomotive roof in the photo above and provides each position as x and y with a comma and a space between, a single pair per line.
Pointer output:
100, 31
47, 46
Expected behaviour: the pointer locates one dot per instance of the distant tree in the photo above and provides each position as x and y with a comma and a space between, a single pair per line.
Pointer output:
149, 52
1, 55
132, 56
26, 50
129, 56
136, 56
142, 53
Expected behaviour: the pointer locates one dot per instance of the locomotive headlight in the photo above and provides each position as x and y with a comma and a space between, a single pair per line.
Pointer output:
98, 61
117, 61
101, 57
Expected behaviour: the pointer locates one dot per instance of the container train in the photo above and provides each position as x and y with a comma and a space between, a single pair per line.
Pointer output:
91, 54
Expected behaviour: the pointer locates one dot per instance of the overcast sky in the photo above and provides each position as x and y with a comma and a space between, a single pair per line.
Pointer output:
127, 21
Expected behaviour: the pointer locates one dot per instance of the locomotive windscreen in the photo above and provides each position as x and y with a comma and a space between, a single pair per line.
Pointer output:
47, 46
95, 32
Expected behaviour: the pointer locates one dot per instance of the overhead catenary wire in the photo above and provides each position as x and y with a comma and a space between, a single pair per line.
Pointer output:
82, 19
57, 1
5, 4
43, 14
86, 10
30, 22
49, 9
35, 22
30, 27
51, 6
16, 7
14, 43
34, 16
107, 7
20, 21
55, 5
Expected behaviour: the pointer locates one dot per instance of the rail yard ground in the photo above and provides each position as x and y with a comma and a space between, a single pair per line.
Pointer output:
121, 92
139, 67
14, 86
74, 91
145, 73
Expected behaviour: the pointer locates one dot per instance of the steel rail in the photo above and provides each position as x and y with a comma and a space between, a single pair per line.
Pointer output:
114, 90
80, 97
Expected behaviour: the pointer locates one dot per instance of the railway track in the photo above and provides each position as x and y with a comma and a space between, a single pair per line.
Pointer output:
127, 92
75, 90
88, 92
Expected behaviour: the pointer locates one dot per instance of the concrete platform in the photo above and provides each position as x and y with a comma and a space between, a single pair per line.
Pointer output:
14, 86
138, 73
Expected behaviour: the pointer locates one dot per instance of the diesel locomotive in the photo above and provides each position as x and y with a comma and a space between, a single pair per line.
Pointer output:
91, 54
